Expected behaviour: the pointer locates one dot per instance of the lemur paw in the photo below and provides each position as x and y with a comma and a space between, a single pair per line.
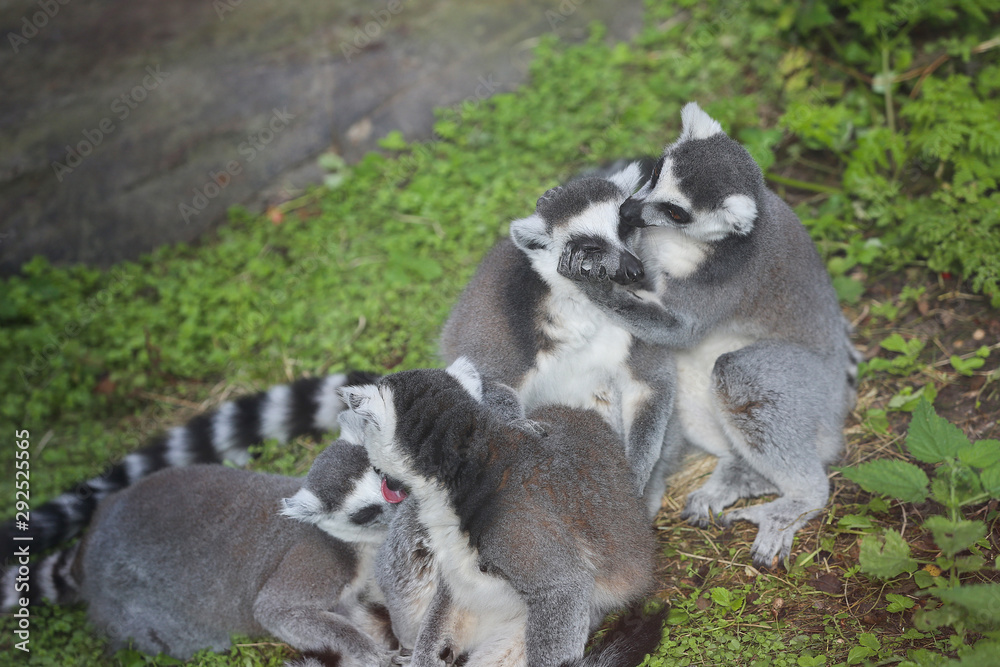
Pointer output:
582, 263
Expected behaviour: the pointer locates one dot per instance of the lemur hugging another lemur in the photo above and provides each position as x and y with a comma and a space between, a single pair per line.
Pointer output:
682, 307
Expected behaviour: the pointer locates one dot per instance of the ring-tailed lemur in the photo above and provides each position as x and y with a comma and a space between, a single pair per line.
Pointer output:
518, 320
735, 287
532, 538
523, 323
186, 557
283, 412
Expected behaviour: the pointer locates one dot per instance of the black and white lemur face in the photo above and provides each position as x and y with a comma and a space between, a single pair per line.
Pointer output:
582, 214
705, 184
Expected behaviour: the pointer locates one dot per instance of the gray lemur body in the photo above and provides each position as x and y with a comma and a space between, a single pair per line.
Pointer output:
736, 289
512, 543
187, 557
525, 325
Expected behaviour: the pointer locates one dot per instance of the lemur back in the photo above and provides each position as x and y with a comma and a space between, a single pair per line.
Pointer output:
531, 538
189, 556
735, 288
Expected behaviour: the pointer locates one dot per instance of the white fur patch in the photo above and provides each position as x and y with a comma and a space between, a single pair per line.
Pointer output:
470, 588
135, 467
529, 232
671, 251
224, 436
303, 506
274, 415
696, 124
627, 179
178, 447
736, 216
361, 415
697, 408
463, 370
330, 405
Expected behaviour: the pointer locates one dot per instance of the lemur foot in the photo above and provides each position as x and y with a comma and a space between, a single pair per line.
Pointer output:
778, 521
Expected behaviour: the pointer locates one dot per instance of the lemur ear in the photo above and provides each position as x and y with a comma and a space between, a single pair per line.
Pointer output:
696, 124
530, 234
303, 506
463, 370
628, 179
361, 414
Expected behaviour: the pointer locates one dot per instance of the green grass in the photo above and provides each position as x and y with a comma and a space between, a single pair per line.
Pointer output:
362, 275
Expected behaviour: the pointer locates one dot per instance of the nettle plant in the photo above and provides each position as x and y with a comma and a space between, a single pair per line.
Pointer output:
963, 475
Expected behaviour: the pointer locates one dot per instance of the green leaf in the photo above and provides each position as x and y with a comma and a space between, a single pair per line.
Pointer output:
855, 522
898, 603
848, 289
886, 556
954, 536
931, 438
990, 479
980, 601
859, 654
869, 640
890, 477
983, 454
721, 597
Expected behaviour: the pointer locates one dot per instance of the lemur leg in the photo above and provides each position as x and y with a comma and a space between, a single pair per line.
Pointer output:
732, 479
772, 398
671, 454
289, 607
558, 622
434, 645
647, 407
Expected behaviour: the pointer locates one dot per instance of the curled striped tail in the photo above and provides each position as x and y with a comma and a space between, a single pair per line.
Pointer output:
283, 412
49, 579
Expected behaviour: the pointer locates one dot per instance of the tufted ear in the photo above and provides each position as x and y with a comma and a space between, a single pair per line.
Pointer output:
530, 234
303, 506
627, 179
696, 124
364, 408
463, 370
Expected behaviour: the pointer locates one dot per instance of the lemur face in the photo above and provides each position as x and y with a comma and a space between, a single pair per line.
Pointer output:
583, 214
345, 496
705, 184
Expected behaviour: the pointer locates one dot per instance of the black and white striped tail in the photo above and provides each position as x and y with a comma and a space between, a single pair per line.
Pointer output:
49, 579
283, 412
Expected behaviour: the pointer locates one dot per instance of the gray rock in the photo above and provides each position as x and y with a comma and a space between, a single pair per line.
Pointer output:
126, 124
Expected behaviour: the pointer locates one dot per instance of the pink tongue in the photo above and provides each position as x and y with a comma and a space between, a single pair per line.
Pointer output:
390, 495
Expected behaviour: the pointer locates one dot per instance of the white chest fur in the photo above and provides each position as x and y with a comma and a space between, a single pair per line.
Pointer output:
697, 408
671, 251
492, 598
586, 366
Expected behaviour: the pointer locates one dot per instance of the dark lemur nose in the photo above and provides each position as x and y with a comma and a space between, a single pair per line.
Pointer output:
630, 213
630, 269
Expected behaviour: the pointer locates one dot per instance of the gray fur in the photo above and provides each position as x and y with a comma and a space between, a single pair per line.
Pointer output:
741, 296
187, 557
525, 540
522, 323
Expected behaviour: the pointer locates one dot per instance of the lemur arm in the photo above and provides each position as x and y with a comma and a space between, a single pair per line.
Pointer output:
642, 313
434, 638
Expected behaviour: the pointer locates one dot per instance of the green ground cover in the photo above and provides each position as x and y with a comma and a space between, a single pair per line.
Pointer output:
878, 121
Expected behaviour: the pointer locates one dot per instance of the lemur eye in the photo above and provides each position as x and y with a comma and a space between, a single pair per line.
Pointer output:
675, 213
